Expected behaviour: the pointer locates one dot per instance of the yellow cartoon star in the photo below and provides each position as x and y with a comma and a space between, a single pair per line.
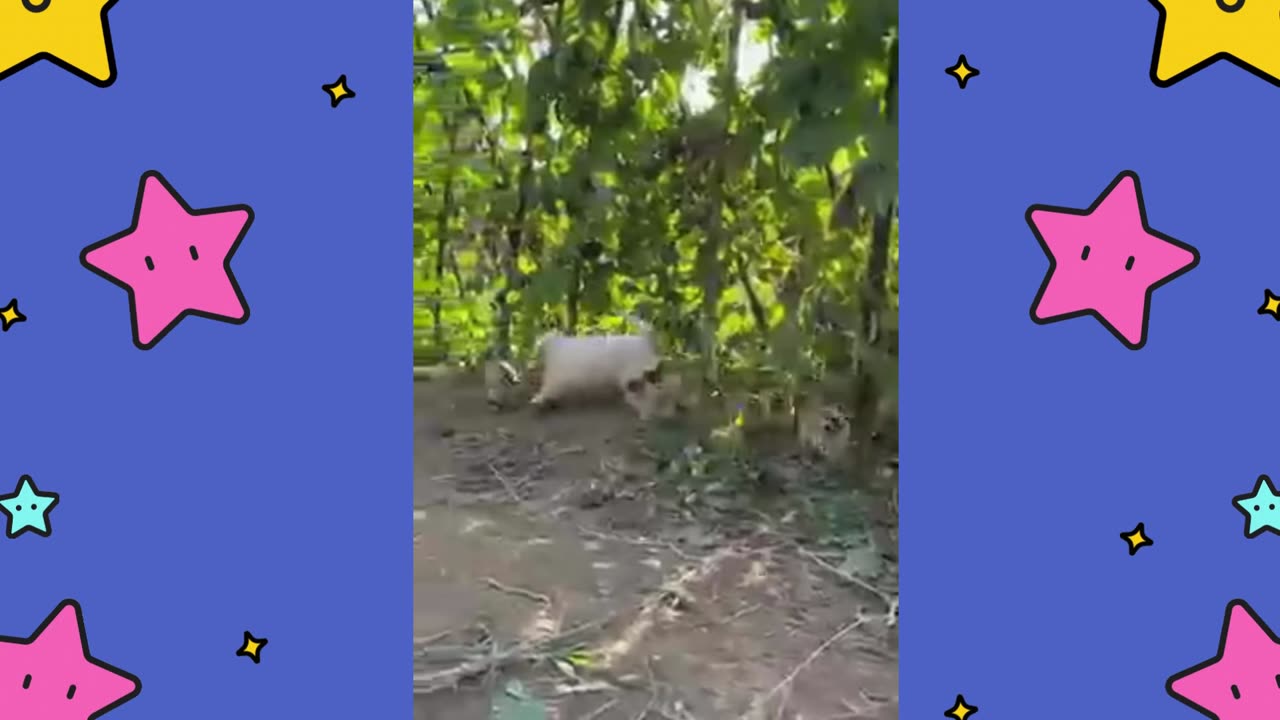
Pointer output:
338, 91
1137, 538
1270, 305
72, 34
1193, 34
961, 709
252, 647
962, 71
9, 315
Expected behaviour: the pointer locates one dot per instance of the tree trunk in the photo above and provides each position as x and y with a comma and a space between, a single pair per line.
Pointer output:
866, 395
442, 248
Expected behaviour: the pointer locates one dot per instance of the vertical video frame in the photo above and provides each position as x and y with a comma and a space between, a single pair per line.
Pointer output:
655, 359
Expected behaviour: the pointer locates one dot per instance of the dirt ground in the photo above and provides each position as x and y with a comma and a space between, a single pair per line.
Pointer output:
554, 579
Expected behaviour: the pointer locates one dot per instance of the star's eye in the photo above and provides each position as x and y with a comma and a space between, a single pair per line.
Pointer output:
1230, 6
1084, 254
1128, 264
71, 692
194, 254
1235, 692
150, 265
26, 683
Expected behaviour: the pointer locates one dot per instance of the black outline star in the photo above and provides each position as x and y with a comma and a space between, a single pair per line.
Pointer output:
46, 55
5, 322
1257, 488
332, 90
1267, 300
256, 654
963, 64
1224, 55
48, 525
1143, 540
1053, 263
1222, 647
961, 710
226, 263
84, 645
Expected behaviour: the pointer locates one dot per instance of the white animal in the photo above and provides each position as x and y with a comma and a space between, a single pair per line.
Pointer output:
575, 366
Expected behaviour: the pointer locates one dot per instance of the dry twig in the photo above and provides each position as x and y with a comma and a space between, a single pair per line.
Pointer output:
518, 591
763, 700
506, 483
886, 597
638, 542
488, 661
600, 710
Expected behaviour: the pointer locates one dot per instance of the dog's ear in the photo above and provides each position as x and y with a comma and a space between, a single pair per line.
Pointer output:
654, 376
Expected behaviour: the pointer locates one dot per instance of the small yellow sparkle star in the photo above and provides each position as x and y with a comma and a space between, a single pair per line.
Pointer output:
9, 315
338, 91
962, 71
961, 709
1270, 305
252, 647
1137, 538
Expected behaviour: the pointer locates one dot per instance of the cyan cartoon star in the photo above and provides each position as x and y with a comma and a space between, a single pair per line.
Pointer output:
9, 315
28, 508
1259, 507
252, 647
1137, 538
1270, 305
338, 91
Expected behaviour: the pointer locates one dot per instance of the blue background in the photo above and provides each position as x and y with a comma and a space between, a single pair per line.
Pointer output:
1027, 449
253, 477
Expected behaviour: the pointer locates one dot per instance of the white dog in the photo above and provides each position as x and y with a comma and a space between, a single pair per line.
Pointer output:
593, 365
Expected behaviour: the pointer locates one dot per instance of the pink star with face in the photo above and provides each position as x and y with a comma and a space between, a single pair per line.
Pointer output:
1106, 261
174, 261
51, 676
1243, 681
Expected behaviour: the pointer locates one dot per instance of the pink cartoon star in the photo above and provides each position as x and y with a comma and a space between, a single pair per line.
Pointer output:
174, 261
1241, 683
1105, 261
51, 675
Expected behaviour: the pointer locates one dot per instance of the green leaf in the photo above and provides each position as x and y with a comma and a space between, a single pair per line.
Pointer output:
513, 703
814, 140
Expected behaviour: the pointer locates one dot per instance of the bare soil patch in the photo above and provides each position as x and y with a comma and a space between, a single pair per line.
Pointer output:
555, 576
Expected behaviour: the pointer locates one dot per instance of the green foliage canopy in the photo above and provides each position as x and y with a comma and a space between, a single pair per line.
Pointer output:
569, 171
